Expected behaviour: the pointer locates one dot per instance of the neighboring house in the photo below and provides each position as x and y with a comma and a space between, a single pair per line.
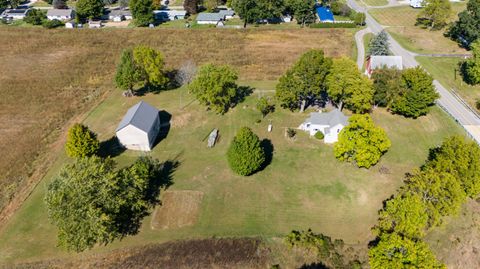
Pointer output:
14, 14
325, 14
227, 13
139, 127
376, 62
95, 24
60, 14
416, 3
210, 18
118, 15
170, 15
329, 123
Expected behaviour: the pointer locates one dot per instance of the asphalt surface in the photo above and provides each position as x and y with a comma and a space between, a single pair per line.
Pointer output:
452, 104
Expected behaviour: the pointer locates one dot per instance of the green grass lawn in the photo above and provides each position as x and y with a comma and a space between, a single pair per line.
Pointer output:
376, 2
446, 71
400, 22
304, 186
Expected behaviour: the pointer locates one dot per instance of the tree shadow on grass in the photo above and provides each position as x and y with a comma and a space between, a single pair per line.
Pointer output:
130, 218
170, 85
110, 148
242, 93
268, 148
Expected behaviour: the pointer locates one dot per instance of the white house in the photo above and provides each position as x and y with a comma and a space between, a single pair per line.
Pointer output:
169, 15
95, 24
119, 15
376, 62
14, 14
139, 127
227, 13
210, 18
60, 14
329, 123
416, 3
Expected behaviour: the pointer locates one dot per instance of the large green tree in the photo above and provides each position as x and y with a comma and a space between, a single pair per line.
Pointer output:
387, 85
152, 63
35, 17
361, 142
191, 6
379, 44
304, 81
129, 74
81, 142
440, 191
394, 251
471, 67
91, 203
215, 87
435, 14
3, 4
142, 12
346, 86
403, 214
89, 9
460, 158
252, 11
466, 29
418, 93
245, 154
302, 10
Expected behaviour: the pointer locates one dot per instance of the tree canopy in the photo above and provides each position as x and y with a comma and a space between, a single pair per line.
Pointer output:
81, 142
35, 17
245, 154
252, 11
471, 67
418, 93
142, 12
379, 44
387, 86
191, 6
302, 10
346, 86
466, 29
361, 142
215, 87
394, 251
89, 9
264, 106
435, 14
304, 81
91, 203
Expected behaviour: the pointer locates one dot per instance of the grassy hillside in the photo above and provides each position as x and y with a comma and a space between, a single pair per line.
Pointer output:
48, 77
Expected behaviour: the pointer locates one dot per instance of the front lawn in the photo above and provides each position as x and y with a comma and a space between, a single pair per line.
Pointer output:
303, 187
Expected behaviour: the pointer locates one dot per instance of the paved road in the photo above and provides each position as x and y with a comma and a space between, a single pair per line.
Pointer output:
452, 104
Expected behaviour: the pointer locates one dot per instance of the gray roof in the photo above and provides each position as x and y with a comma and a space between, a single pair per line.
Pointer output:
388, 61
60, 12
226, 12
141, 115
331, 118
210, 17
15, 12
119, 12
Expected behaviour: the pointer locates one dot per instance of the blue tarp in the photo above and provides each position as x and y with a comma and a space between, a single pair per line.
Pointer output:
325, 14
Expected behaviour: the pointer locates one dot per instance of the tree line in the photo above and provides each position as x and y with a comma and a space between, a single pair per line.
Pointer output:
450, 175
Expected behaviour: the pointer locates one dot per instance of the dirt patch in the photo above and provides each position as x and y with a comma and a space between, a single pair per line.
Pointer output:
205, 253
181, 120
178, 209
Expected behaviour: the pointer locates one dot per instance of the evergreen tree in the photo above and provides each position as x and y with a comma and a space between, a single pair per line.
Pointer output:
129, 74
305, 81
361, 142
142, 12
245, 154
467, 29
81, 142
418, 94
379, 44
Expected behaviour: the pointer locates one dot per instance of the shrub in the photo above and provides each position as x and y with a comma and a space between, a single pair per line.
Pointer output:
334, 25
81, 142
35, 17
291, 133
319, 135
245, 154
52, 24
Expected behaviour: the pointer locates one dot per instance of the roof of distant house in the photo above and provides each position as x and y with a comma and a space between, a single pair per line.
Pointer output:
119, 12
15, 12
210, 17
226, 12
142, 115
331, 118
388, 61
59, 12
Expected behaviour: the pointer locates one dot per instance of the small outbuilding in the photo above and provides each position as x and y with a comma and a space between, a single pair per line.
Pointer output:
329, 123
70, 24
325, 14
60, 14
139, 127
376, 62
210, 18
